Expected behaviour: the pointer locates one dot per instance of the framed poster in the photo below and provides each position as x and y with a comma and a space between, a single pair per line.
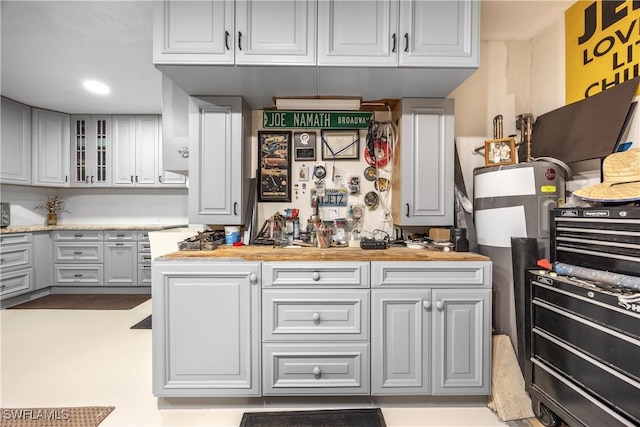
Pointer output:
274, 172
340, 144
499, 152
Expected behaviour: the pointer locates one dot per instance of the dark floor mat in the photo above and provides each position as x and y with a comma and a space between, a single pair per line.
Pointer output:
143, 324
86, 302
328, 418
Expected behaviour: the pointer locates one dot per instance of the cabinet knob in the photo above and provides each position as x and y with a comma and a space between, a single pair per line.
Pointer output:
440, 305
427, 305
316, 317
316, 371
253, 278
315, 276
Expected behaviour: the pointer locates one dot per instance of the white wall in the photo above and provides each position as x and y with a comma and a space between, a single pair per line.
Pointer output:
98, 205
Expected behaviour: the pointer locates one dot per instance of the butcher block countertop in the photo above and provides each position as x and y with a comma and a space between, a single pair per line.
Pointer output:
270, 253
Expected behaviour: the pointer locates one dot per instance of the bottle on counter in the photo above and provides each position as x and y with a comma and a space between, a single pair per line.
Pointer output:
459, 240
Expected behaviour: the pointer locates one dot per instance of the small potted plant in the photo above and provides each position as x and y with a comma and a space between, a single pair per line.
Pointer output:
53, 205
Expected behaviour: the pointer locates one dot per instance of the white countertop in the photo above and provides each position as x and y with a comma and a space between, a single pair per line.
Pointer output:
35, 227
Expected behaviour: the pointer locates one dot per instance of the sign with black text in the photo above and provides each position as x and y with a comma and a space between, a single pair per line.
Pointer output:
602, 40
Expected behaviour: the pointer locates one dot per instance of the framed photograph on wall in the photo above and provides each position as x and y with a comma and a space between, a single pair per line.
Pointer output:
274, 166
500, 152
340, 144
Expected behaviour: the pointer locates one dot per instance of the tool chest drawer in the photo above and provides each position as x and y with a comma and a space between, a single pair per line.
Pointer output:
315, 369
315, 315
82, 235
78, 252
321, 275
13, 257
430, 273
72, 274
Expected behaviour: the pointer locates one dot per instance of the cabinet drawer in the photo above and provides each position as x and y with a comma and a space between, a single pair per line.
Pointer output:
144, 259
120, 236
310, 315
144, 275
429, 273
78, 236
142, 236
69, 274
315, 369
144, 247
77, 252
15, 256
15, 282
323, 275
15, 238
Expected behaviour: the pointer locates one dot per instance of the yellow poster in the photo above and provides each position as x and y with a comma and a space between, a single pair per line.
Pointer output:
602, 41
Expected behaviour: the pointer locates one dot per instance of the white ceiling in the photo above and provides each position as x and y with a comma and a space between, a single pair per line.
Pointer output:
49, 47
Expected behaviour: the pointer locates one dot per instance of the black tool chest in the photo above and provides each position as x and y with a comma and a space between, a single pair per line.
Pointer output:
584, 346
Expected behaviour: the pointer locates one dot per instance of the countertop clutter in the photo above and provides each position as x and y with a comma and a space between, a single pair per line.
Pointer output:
270, 253
105, 227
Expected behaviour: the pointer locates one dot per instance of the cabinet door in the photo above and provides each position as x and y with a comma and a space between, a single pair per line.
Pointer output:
124, 150
120, 263
91, 148
439, 33
358, 33
216, 165
15, 143
193, 32
206, 336
43, 267
147, 144
276, 32
462, 341
50, 149
400, 341
424, 194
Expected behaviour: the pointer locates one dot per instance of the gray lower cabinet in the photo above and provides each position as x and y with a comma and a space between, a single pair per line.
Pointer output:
120, 258
78, 258
431, 324
16, 264
206, 329
315, 328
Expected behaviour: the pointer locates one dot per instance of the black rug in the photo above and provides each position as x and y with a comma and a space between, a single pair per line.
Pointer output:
143, 324
328, 418
85, 302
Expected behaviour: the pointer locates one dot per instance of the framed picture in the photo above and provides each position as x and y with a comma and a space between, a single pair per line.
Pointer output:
274, 166
304, 145
499, 152
340, 144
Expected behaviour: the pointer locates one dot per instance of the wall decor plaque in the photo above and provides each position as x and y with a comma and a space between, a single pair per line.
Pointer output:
274, 172
304, 145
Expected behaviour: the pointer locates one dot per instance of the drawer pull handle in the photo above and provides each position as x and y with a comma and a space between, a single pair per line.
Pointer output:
144, 267
78, 236
253, 278
440, 305
77, 275
316, 371
119, 244
316, 317
77, 253
1, 259
146, 258
120, 236
315, 276
427, 305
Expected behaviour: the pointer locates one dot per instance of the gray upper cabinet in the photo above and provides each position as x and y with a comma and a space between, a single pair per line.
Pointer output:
136, 142
15, 143
206, 329
424, 193
193, 32
219, 159
387, 33
439, 33
50, 148
91, 150
275, 32
248, 32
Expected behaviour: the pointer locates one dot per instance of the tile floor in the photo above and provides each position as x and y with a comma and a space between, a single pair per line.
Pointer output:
65, 358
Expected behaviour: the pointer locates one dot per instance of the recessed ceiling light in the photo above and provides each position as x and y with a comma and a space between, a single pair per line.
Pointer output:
96, 87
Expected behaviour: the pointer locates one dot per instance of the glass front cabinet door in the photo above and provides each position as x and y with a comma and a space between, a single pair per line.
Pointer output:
91, 151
